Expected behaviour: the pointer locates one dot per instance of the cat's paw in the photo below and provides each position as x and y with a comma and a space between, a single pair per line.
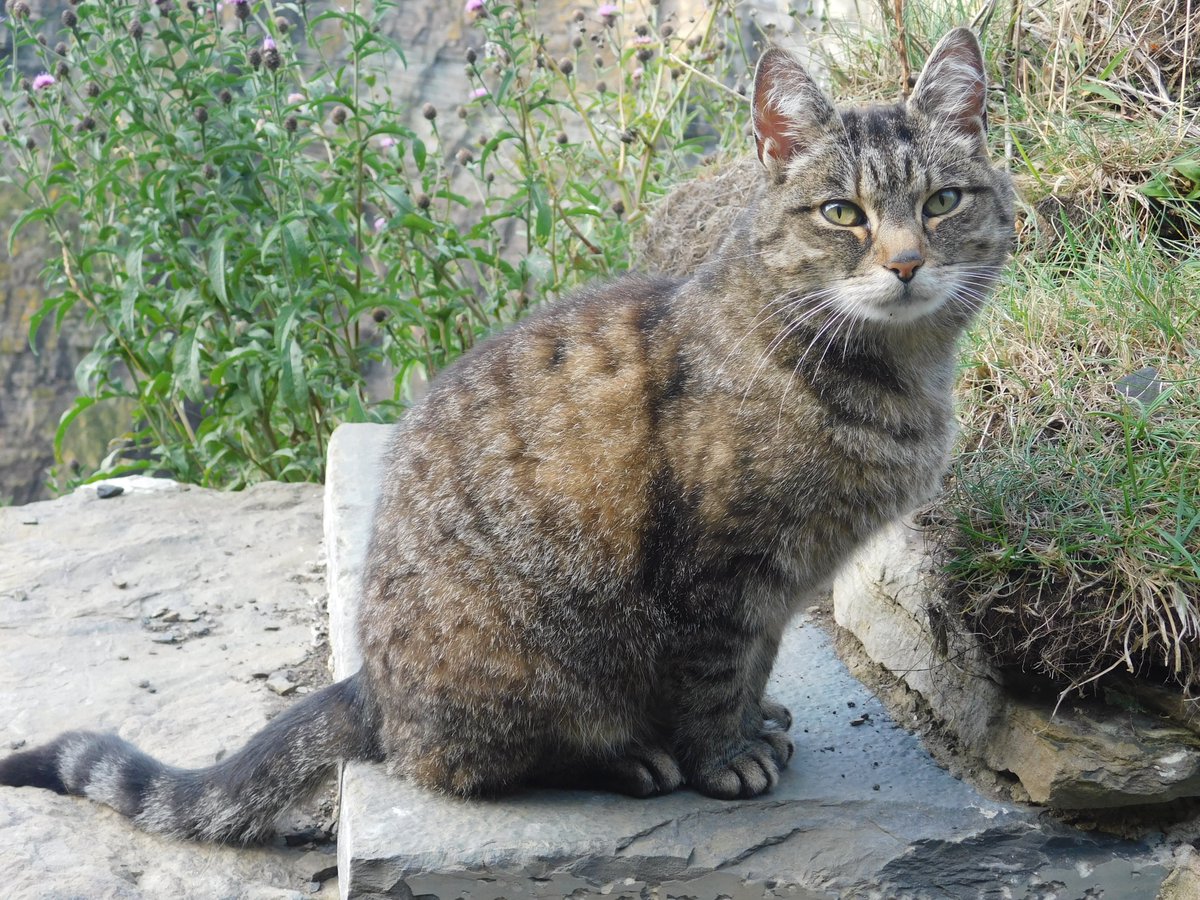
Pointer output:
776, 712
643, 772
753, 770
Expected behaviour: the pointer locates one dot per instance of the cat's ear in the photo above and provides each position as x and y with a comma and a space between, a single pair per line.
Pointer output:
790, 111
952, 89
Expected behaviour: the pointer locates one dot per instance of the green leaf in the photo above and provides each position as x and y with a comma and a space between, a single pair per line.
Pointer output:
292, 381
216, 267
545, 219
419, 153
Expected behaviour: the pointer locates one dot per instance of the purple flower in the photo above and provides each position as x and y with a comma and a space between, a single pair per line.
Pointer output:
295, 98
380, 224
474, 6
43, 81
479, 92
268, 44
608, 11
387, 142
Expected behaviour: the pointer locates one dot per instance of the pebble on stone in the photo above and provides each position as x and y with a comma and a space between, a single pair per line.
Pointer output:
107, 491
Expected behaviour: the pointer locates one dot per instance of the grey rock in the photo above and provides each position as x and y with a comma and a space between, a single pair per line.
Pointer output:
863, 811
1081, 756
281, 683
61, 668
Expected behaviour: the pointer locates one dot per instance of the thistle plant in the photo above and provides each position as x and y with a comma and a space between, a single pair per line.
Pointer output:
231, 198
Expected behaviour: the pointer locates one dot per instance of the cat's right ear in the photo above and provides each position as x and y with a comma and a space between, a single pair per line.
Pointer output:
790, 111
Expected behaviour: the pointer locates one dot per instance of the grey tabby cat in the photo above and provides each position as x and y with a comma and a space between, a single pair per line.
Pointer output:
595, 527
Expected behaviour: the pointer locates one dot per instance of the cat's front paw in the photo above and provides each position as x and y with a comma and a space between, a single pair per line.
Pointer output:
642, 772
752, 770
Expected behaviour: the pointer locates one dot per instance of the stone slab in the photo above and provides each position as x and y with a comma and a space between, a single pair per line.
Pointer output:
157, 615
863, 812
1076, 755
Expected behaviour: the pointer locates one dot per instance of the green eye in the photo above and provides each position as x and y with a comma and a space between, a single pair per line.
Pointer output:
942, 202
843, 212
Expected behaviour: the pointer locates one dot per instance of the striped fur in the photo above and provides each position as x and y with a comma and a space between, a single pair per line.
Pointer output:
594, 529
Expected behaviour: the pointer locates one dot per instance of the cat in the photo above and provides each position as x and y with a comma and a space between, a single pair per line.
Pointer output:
594, 528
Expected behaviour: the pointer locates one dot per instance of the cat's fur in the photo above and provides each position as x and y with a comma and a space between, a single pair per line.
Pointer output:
594, 529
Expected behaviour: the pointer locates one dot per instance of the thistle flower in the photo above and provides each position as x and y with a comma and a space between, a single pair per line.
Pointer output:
379, 224
479, 92
43, 81
429, 111
294, 98
241, 9
387, 142
475, 8
69, 19
608, 13
339, 115
269, 44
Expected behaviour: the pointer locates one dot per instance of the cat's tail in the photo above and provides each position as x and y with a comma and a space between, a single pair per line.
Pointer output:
238, 799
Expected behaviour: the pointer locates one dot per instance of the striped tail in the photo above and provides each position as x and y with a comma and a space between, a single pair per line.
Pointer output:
235, 801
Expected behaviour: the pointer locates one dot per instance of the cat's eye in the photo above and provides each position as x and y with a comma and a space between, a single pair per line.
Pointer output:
843, 212
942, 202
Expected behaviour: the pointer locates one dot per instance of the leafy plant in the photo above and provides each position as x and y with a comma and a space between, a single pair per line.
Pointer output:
231, 198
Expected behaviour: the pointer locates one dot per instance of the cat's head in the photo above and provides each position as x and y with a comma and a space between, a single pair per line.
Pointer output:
887, 214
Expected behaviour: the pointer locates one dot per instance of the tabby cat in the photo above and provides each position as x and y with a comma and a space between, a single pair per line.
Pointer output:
595, 527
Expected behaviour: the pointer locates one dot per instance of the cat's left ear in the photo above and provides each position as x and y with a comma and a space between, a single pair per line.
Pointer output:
952, 89
790, 111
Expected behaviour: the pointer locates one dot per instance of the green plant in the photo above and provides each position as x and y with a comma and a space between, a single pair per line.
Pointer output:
233, 201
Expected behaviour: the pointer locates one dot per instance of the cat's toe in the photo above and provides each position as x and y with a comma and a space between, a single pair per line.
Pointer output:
776, 712
750, 773
782, 746
644, 772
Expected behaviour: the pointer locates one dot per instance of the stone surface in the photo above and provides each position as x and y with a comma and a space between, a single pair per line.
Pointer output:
863, 812
1184, 881
1082, 755
83, 594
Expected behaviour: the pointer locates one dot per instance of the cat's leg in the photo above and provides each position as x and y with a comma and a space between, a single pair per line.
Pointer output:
765, 650
721, 739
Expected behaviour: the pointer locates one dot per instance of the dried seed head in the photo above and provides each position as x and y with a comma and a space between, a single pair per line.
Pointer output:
429, 111
471, 56
464, 156
666, 31
69, 19
566, 66
561, 137
200, 114
225, 96
379, 314
291, 123
641, 31
618, 207
241, 9
339, 115
62, 70
423, 201
61, 48
645, 54
272, 58
87, 123
628, 137
282, 24
601, 87
254, 57
135, 30
579, 15
462, 112
30, 144
210, 171
19, 9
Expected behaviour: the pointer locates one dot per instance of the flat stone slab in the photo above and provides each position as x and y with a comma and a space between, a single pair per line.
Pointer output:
157, 614
863, 811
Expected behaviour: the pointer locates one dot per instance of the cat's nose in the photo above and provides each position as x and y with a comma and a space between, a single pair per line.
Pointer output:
905, 265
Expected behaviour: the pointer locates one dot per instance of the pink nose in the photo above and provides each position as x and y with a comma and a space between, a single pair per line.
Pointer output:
905, 265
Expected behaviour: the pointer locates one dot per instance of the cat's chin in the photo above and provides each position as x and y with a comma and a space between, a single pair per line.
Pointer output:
893, 303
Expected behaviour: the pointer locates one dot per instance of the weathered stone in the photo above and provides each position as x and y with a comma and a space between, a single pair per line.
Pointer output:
1184, 881
863, 811
75, 655
1083, 755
